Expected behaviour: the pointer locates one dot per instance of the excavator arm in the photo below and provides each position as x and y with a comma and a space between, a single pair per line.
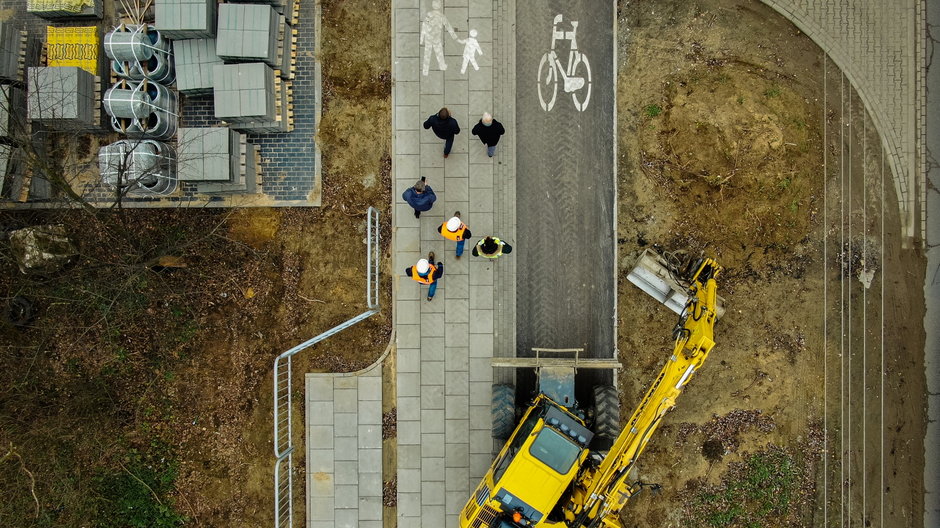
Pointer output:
602, 490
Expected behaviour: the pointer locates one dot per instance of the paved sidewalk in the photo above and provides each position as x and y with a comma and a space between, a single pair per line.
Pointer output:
344, 449
445, 346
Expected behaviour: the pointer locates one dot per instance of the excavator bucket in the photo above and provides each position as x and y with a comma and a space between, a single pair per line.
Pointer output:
652, 274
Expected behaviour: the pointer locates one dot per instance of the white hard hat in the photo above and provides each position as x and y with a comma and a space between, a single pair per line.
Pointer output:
423, 266
453, 224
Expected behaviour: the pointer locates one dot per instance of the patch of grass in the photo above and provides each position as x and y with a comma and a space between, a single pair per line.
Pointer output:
136, 495
755, 492
799, 123
773, 91
653, 110
784, 184
740, 99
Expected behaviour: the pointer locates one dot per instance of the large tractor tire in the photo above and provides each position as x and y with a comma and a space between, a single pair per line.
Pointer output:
503, 411
606, 417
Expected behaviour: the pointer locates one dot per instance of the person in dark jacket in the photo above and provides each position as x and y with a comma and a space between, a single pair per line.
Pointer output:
420, 197
444, 127
489, 130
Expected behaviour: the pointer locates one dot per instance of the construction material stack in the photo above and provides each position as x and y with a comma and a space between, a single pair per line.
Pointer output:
220, 160
144, 168
195, 60
60, 9
12, 110
186, 19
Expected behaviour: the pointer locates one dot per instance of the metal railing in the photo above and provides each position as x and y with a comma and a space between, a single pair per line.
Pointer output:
283, 416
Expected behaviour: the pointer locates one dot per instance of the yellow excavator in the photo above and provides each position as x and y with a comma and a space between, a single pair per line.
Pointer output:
555, 470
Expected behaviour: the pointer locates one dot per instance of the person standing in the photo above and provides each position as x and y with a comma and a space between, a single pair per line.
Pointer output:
420, 197
489, 130
426, 272
454, 229
444, 127
491, 248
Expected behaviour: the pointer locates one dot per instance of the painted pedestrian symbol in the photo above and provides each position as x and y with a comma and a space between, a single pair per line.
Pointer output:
470, 50
575, 78
432, 36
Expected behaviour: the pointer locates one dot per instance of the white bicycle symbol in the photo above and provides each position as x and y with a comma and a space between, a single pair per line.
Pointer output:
576, 77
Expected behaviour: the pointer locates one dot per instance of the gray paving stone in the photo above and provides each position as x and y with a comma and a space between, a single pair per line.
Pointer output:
407, 21
346, 497
406, 48
322, 507
322, 485
430, 103
433, 83
347, 472
370, 412
480, 437
406, 93
432, 493
370, 485
370, 509
370, 460
432, 421
432, 156
481, 299
409, 384
456, 454
432, 515
409, 408
458, 287
345, 425
321, 460
407, 167
408, 336
456, 478
481, 273
480, 370
432, 324
482, 79
409, 456
370, 436
432, 397
406, 142
480, 417
370, 388
456, 406
456, 334
409, 505
408, 360
481, 392
345, 451
481, 321
347, 518
345, 400
432, 444
481, 346
321, 436
458, 383
407, 240
457, 429
345, 382
409, 480
432, 469
484, 27
480, 8
321, 412
321, 389
454, 501
432, 373
432, 349
409, 432
481, 176
406, 117
479, 464
456, 361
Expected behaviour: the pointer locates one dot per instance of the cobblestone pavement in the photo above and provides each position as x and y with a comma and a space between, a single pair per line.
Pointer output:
880, 46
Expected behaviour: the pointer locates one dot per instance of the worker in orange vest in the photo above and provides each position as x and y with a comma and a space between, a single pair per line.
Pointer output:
426, 272
454, 229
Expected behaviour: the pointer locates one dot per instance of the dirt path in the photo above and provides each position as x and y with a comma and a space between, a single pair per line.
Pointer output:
722, 141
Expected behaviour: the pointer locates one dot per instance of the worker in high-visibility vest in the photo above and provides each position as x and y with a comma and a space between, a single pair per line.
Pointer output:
491, 247
454, 229
426, 272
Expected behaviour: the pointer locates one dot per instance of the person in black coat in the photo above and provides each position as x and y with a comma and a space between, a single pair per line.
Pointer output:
444, 127
489, 130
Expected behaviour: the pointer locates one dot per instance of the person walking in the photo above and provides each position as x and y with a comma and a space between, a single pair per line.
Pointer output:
444, 127
489, 130
426, 272
454, 229
491, 248
420, 196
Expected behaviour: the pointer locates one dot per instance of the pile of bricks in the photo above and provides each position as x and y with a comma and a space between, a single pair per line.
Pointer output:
186, 19
53, 9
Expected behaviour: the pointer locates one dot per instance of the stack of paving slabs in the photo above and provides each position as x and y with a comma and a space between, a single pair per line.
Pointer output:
62, 97
249, 33
195, 59
138, 167
186, 19
219, 159
73, 46
138, 53
284, 7
12, 113
251, 97
12, 53
54, 9
13, 182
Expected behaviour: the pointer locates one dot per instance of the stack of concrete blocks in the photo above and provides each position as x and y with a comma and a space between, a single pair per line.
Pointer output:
219, 159
12, 53
251, 97
12, 113
195, 60
54, 9
284, 7
138, 53
252, 33
142, 168
186, 19
13, 184
61, 97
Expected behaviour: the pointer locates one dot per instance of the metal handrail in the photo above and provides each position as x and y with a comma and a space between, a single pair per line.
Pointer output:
283, 415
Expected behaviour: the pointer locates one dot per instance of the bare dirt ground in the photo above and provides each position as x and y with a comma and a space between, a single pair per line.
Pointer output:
723, 147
